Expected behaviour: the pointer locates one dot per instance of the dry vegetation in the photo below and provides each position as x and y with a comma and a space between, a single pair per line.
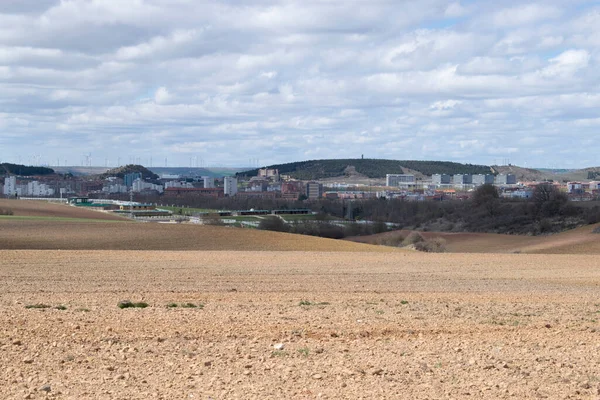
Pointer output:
577, 241
341, 320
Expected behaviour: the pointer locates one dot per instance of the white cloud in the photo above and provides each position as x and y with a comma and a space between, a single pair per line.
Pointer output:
525, 14
324, 79
567, 63
162, 96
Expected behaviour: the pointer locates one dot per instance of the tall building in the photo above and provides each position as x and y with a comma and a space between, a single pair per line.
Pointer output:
208, 182
230, 186
506, 179
130, 178
441, 179
314, 190
481, 179
10, 185
397, 179
462, 179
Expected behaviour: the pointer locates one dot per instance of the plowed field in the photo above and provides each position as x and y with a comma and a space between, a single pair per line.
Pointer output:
303, 318
29, 208
350, 325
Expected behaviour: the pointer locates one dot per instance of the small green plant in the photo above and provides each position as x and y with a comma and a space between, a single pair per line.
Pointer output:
128, 304
404, 302
279, 353
61, 307
379, 312
38, 305
304, 351
172, 305
310, 303
191, 305
82, 309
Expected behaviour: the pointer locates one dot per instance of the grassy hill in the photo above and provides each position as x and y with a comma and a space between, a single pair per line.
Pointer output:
23, 170
371, 168
120, 172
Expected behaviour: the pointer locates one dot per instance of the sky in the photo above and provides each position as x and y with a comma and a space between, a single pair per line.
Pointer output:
258, 82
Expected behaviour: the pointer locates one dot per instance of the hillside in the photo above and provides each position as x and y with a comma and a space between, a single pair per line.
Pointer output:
120, 172
30, 208
575, 241
371, 168
23, 170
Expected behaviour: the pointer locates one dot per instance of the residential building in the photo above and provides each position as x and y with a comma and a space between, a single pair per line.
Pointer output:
271, 173
194, 192
116, 188
398, 179
506, 179
481, 179
441, 179
230, 185
314, 190
142, 186
178, 184
37, 189
130, 178
10, 186
462, 179
209, 182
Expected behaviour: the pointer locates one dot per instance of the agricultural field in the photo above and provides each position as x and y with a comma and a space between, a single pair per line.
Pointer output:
169, 311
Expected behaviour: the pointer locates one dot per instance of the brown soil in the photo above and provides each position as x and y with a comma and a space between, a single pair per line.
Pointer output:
395, 325
30, 208
353, 320
81, 235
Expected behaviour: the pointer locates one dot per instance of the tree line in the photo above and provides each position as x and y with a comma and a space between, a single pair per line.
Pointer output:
372, 168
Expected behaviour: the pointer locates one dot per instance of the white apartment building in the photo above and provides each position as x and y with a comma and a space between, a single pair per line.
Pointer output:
230, 184
398, 179
178, 184
139, 186
10, 185
116, 188
208, 182
37, 189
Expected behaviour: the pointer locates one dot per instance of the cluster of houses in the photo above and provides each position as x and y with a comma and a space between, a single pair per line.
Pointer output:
270, 184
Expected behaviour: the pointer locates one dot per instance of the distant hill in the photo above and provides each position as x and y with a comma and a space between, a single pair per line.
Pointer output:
23, 170
371, 168
183, 171
120, 172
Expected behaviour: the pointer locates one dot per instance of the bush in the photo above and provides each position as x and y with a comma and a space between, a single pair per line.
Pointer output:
413, 238
596, 230
393, 241
6, 211
273, 224
212, 219
128, 304
435, 245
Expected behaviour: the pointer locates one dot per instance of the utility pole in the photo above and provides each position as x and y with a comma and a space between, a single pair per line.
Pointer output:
131, 203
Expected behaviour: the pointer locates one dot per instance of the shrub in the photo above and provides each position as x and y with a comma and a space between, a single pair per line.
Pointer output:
393, 241
128, 304
413, 238
5, 211
435, 245
273, 224
38, 305
596, 230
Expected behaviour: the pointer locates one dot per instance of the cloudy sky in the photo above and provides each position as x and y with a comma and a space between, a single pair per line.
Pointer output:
235, 82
